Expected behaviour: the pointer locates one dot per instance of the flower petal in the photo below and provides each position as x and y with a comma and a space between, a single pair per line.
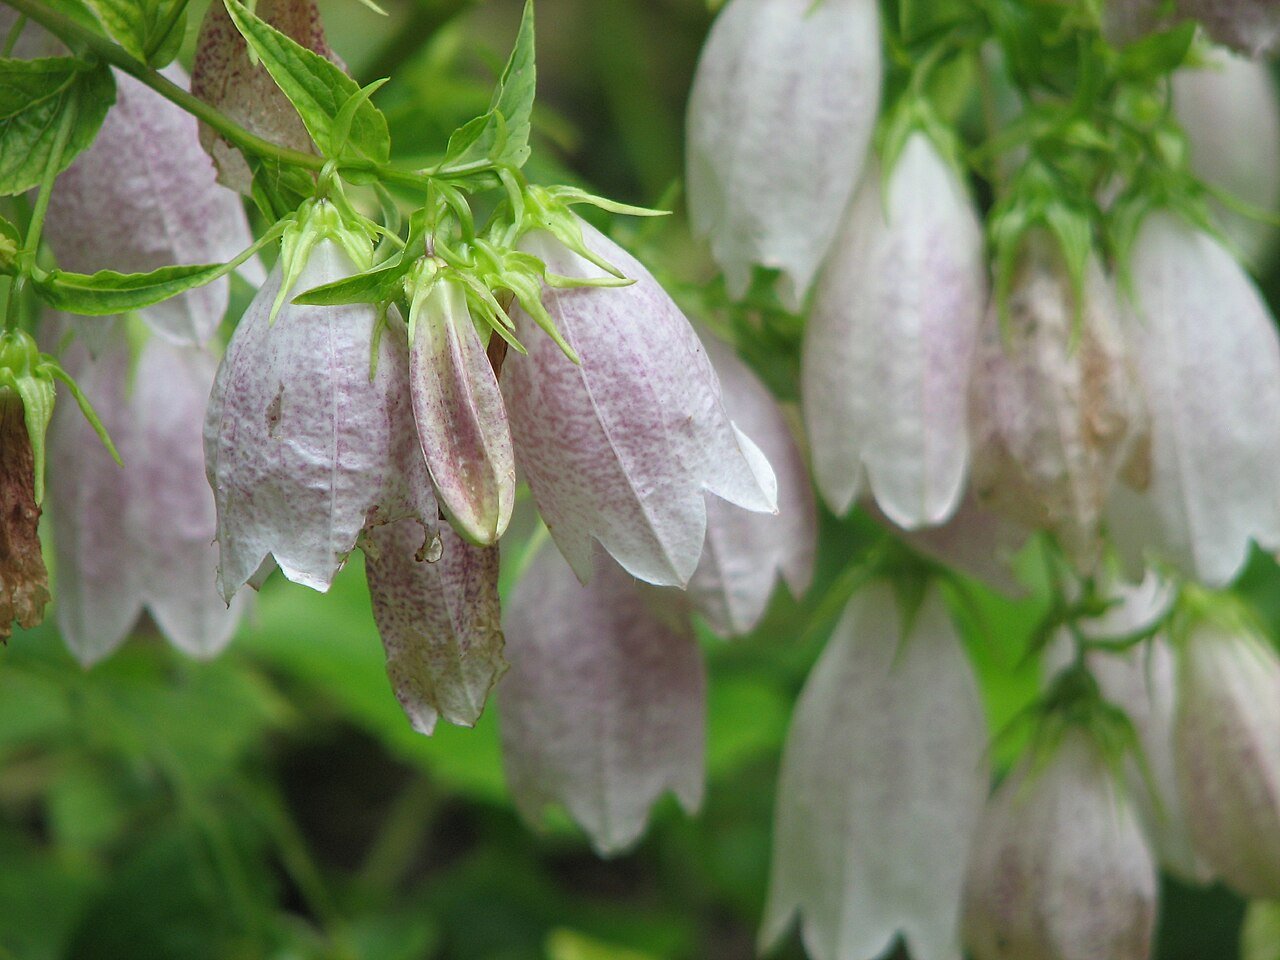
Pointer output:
621, 447
603, 707
745, 553
302, 447
1055, 406
99, 596
1060, 868
144, 196
440, 622
171, 516
461, 421
1206, 350
889, 343
781, 112
883, 779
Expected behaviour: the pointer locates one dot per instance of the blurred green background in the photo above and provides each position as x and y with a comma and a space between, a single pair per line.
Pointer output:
276, 804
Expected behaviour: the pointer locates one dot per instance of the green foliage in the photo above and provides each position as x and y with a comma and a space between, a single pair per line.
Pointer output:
39, 97
151, 30
337, 113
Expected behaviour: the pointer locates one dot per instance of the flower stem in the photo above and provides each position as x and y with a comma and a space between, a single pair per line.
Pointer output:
77, 35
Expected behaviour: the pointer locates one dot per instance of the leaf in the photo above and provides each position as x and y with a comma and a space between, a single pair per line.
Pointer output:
375, 286
33, 97
149, 31
501, 135
107, 292
317, 89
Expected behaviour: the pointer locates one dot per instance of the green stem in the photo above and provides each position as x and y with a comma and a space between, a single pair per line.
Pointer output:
14, 33
74, 34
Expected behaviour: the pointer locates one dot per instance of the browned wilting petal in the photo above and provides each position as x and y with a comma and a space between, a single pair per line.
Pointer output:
224, 77
24, 582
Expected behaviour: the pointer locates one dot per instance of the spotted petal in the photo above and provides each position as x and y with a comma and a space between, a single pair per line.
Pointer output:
144, 196
603, 707
622, 446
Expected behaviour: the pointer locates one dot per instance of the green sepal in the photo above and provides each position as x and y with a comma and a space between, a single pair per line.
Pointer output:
34, 96
317, 88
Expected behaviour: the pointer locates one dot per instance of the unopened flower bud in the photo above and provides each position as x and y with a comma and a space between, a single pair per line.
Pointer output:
1227, 741
889, 344
458, 409
782, 110
1054, 401
1060, 869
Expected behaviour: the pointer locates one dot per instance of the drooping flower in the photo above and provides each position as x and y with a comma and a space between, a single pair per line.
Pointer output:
457, 405
1206, 351
1055, 405
1230, 113
144, 196
781, 112
603, 707
746, 553
623, 447
1142, 681
889, 343
439, 620
1227, 740
306, 444
225, 76
156, 510
883, 780
1060, 868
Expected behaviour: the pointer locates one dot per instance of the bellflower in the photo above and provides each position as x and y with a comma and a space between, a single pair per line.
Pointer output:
1230, 113
1142, 681
1227, 738
303, 446
1054, 402
1205, 347
889, 342
144, 196
746, 553
154, 411
603, 707
1250, 26
782, 109
459, 413
1060, 868
883, 778
623, 447
225, 76
439, 621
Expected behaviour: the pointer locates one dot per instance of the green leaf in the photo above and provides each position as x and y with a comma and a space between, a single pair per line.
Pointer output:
1159, 53
34, 95
106, 292
151, 32
317, 89
501, 135
372, 287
